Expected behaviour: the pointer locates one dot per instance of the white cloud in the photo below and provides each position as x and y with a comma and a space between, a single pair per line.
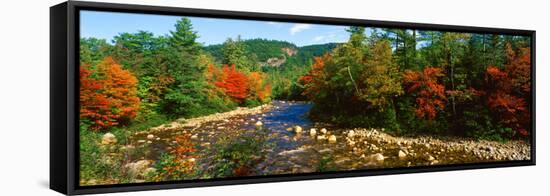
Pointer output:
299, 27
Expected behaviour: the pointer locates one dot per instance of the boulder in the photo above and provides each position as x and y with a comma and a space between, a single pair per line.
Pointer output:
137, 168
194, 137
323, 131
108, 139
321, 137
149, 171
150, 136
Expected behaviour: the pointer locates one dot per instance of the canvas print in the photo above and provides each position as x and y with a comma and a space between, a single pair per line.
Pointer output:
174, 98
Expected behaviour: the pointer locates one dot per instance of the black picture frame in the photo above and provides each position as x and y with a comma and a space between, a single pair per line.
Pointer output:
64, 136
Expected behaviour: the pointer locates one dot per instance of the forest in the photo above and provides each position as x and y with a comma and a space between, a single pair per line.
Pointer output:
405, 82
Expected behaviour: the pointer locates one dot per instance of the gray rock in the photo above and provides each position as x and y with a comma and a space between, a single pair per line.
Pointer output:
137, 168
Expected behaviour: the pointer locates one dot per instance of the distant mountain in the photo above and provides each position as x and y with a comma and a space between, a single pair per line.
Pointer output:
305, 54
275, 53
262, 49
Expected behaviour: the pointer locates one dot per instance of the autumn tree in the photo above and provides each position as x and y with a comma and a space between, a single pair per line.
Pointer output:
110, 97
94, 106
429, 92
380, 78
119, 86
509, 90
315, 79
234, 83
258, 88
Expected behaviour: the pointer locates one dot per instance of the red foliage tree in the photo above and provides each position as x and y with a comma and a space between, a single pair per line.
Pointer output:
430, 94
315, 78
509, 88
234, 83
109, 98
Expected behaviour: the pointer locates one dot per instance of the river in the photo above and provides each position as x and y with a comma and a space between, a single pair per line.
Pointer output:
285, 151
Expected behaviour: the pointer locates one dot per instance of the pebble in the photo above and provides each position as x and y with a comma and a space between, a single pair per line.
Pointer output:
194, 136
351, 133
430, 158
323, 131
312, 132
378, 157
259, 124
321, 137
297, 129
401, 154
150, 137
332, 139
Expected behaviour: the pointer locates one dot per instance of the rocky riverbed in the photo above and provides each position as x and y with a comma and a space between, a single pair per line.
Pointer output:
291, 143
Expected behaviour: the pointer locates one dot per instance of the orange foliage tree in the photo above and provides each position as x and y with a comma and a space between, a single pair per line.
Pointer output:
110, 98
94, 105
258, 88
233, 82
315, 78
430, 94
509, 88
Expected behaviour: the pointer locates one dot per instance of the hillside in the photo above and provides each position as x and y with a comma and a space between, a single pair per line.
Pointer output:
274, 53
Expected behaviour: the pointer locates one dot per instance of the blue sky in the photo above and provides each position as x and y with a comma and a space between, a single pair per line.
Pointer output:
106, 25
